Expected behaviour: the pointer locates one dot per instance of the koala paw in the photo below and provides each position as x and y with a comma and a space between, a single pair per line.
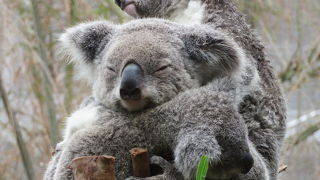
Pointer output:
228, 169
58, 148
169, 170
164, 164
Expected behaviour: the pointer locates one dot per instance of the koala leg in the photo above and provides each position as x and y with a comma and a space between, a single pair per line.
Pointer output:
259, 169
112, 140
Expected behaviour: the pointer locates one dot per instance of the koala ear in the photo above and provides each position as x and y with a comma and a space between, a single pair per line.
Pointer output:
214, 54
84, 42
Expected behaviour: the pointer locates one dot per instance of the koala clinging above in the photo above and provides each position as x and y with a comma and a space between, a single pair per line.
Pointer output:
161, 70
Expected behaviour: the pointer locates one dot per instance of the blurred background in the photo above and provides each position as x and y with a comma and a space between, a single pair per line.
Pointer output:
39, 90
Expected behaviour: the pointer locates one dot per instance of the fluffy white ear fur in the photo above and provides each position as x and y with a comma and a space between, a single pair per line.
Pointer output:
69, 47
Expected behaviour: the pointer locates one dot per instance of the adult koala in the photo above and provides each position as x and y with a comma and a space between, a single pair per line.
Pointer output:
241, 113
263, 112
171, 88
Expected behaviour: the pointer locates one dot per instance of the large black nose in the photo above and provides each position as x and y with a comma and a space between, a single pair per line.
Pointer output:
130, 86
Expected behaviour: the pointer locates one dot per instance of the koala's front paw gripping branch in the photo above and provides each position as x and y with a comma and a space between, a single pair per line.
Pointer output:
103, 167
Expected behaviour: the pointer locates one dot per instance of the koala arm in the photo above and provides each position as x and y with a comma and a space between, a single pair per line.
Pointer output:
218, 132
211, 126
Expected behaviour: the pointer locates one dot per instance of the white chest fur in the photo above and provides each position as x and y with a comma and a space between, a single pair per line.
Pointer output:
191, 15
80, 119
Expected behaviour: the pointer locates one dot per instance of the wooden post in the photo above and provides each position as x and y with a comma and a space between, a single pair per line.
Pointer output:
140, 162
93, 168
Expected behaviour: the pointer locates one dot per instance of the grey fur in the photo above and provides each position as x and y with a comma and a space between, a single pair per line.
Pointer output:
264, 114
178, 126
226, 118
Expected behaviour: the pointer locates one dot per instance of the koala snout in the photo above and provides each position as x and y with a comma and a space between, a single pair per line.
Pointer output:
131, 80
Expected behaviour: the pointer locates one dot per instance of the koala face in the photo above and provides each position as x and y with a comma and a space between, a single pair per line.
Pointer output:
141, 69
147, 62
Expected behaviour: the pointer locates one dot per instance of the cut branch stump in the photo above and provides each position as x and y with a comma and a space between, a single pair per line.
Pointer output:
140, 162
103, 167
93, 168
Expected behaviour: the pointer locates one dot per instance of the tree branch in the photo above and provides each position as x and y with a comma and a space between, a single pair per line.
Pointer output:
15, 125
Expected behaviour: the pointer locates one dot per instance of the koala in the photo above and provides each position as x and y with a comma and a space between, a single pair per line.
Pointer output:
264, 112
250, 91
167, 87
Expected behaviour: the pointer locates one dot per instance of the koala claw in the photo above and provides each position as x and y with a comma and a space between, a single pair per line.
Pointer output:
169, 170
133, 178
164, 164
158, 177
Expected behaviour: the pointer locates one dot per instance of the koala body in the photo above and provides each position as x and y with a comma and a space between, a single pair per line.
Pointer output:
168, 87
203, 89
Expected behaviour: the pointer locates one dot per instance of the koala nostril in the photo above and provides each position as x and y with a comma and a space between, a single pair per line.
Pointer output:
124, 94
130, 94
247, 163
136, 94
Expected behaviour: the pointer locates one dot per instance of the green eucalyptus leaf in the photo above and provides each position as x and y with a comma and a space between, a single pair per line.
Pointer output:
202, 168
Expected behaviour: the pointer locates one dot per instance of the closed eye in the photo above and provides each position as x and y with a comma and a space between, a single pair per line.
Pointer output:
110, 69
162, 68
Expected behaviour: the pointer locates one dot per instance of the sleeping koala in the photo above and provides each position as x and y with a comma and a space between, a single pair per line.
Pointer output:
171, 88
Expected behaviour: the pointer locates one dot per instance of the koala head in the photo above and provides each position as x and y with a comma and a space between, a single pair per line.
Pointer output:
147, 62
